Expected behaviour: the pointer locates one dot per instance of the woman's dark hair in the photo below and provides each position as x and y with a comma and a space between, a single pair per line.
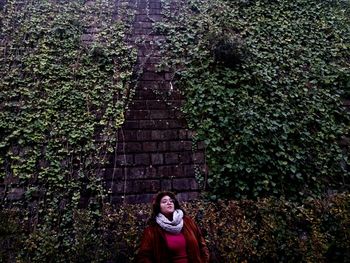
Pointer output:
156, 204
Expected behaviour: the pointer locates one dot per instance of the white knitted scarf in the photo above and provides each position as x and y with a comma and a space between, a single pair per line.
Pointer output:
174, 226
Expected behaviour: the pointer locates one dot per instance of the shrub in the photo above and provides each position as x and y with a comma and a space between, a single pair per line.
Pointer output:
268, 230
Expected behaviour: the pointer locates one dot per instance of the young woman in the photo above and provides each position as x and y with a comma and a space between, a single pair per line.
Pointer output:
171, 236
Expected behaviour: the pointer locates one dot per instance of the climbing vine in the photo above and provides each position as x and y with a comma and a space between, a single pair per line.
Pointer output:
65, 80
264, 83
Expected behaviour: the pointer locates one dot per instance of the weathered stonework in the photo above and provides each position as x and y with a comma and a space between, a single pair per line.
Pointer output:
154, 150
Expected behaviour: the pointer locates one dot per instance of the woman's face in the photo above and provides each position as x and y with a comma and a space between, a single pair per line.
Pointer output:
167, 205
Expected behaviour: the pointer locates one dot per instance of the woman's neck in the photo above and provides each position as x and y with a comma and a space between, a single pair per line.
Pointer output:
169, 216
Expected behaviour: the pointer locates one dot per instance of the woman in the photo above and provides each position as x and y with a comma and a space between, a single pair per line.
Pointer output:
171, 236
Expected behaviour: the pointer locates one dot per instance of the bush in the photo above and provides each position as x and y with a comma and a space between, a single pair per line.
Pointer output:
268, 230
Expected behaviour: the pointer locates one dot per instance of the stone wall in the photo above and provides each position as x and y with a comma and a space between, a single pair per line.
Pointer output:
155, 150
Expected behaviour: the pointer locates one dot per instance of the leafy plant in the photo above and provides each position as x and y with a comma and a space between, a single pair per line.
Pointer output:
65, 80
264, 84
235, 231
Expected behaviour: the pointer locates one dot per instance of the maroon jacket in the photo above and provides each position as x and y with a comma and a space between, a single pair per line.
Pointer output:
153, 247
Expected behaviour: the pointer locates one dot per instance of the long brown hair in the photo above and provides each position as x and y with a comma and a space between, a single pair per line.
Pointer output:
156, 204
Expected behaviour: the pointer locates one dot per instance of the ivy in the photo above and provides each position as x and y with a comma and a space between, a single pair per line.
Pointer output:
235, 231
264, 83
62, 101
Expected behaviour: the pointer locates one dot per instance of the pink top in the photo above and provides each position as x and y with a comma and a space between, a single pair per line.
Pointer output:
177, 246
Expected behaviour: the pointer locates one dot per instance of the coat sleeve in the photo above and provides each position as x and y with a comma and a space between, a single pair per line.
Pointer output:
204, 251
146, 250
203, 247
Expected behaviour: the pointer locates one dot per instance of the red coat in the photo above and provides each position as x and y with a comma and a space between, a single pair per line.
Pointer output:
153, 247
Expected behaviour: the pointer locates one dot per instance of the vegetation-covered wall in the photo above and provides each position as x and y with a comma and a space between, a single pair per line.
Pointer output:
265, 84
62, 99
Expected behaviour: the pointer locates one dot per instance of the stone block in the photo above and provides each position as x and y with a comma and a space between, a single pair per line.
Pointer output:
142, 52
131, 125
144, 135
142, 18
198, 157
176, 145
131, 147
187, 145
155, 59
200, 145
185, 184
177, 171
136, 172
148, 124
143, 186
146, 95
161, 114
143, 24
171, 158
156, 17
182, 184
157, 158
161, 124
155, 5
137, 199
116, 187
183, 134
151, 172
149, 75
149, 146
187, 196
113, 173
155, 11
142, 4
185, 157
141, 159
138, 105
137, 114
193, 184
166, 185
120, 148
164, 135
127, 135
176, 124
189, 170
117, 199
148, 85
157, 135
162, 146
171, 171
164, 171
142, 31
150, 67
123, 159
156, 105
191, 134
168, 76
